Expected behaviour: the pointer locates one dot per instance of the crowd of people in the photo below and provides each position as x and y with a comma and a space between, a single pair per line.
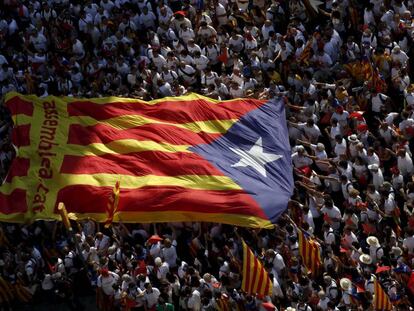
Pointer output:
343, 70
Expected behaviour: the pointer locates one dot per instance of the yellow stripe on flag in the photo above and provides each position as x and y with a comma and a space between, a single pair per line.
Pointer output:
124, 146
130, 121
203, 182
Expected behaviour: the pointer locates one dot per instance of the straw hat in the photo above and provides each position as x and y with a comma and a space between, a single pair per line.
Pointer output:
345, 283
373, 241
353, 138
290, 309
365, 259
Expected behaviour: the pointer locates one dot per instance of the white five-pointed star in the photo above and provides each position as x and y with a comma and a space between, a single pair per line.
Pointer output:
255, 157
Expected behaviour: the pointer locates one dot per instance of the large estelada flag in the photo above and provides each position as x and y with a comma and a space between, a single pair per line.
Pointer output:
186, 158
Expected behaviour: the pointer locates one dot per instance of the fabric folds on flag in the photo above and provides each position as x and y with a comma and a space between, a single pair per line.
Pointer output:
256, 280
381, 300
112, 206
310, 252
188, 158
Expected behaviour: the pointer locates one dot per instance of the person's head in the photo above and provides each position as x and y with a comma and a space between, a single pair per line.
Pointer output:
301, 150
99, 235
310, 123
148, 287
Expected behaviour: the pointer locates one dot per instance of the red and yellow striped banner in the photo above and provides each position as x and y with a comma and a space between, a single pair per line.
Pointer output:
310, 252
381, 300
75, 150
256, 280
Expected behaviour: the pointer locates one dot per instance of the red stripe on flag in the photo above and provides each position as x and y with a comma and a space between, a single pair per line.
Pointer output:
253, 279
247, 273
101, 133
172, 111
15, 202
140, 164
20, 106
260, 283
21, 135
19, 167
92, 199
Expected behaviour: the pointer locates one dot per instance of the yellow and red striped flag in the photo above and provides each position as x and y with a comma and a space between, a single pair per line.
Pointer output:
381, 300
256, 280
310, 252
188, 158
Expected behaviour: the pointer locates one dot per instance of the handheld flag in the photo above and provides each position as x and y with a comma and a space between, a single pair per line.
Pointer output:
188, 158
256, 281
310, 252
112, 205
381, 300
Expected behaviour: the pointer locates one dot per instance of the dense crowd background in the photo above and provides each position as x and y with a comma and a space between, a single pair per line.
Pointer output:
344, 72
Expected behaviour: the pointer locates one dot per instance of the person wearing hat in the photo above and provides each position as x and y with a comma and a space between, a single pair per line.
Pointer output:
353, 142
365, 262
376, 251
346, 286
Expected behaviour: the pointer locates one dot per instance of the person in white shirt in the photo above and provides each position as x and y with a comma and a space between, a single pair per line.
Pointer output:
158, 60
169, 253
200, 61
39, 41
161, 269
101, 242
106, 280
187, 73
147, 19
408, 242
333, 213
340, 147
299, 158
329, 235
236, 90
186, 33
279, 267
405, 163
151, 295
194, 302
377, 177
